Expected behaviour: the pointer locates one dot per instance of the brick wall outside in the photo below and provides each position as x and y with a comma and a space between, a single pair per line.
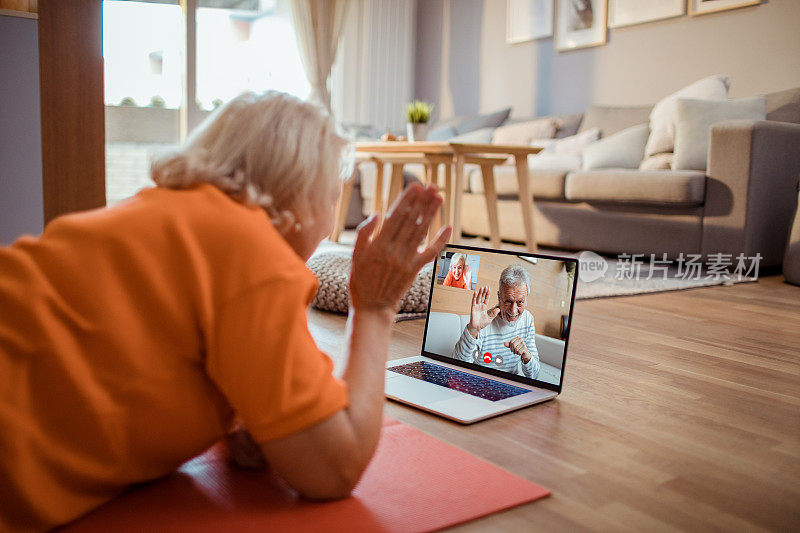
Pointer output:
128, 168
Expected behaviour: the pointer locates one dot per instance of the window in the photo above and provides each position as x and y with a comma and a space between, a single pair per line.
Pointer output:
240, 45
247, 50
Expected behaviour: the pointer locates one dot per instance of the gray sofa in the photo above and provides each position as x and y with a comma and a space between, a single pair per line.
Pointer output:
742, 203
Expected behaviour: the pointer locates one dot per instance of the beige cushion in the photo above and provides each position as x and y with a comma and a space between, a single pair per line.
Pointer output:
786, 113
623, 149
612, 119
547, 162
481, 136
522, 133
662, 118
781, 98
545, 184
572, 145
693, 120
661, 161
652, 187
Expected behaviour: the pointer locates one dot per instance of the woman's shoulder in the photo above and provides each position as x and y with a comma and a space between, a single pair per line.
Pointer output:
230, 239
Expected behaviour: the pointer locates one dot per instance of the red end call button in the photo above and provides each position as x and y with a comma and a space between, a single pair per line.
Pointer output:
487, 357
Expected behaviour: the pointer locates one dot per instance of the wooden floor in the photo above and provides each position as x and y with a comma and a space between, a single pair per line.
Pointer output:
680, 411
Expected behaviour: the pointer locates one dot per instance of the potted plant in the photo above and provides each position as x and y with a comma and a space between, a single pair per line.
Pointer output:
418, 113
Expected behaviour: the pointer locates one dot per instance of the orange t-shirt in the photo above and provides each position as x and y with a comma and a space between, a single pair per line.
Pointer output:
451, 281
131, 336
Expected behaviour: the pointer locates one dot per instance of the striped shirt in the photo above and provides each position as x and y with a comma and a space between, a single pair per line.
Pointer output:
491, 338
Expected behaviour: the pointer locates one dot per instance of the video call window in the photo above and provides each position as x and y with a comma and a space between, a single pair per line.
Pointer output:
459, 270
513, 318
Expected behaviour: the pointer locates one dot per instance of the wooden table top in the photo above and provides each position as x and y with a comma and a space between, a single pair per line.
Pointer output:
444, 147
423, 158
427, 147
680, 411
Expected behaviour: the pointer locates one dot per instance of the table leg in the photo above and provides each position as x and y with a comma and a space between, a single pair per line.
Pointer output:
487, 172
379, 205
343, 205
436, 223
458, 190
396, 185
448, 193
525, 200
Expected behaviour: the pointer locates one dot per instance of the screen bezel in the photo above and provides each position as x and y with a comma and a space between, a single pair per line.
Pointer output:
486, 369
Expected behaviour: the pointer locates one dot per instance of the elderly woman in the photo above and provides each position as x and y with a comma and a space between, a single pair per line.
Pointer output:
132, 337
459, 274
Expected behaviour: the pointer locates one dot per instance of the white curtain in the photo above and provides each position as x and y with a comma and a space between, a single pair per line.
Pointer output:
318, 24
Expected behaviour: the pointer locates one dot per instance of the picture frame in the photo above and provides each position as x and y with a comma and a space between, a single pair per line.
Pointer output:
528, 20
703, 7
623, 13
580, 24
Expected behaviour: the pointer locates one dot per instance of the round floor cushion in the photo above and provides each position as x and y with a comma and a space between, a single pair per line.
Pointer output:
333, 272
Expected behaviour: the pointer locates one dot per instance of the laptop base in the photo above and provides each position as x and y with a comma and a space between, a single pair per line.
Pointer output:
453, 404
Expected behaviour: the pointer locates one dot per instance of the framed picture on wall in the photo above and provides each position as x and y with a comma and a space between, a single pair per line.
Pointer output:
629, 12
701, 7
527, 20
580, 23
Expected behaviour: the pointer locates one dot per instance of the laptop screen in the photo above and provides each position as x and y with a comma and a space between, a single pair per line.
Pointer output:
503, 313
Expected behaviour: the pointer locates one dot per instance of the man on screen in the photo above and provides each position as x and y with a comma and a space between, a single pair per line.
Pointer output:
504, 336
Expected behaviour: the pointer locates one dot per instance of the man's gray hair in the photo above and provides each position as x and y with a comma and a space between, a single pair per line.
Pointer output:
513, 276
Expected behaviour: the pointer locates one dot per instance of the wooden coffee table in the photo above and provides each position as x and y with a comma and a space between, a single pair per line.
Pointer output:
432, 155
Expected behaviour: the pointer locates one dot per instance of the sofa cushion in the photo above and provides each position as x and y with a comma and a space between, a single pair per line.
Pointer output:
572, 145
522, 133
662, 118
781, 98
612, 119
623, 149
662, 161
476, 122
645, 187
547, 162
546, 184
693, 120
442, 132
481, 136
786, 113
569, 124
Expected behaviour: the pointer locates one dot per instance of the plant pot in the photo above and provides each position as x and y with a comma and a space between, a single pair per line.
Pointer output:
416, 132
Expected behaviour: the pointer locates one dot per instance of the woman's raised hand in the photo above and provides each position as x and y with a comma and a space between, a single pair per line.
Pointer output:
384, 265
480, 314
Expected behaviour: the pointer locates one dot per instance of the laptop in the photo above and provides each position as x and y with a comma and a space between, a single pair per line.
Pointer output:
522, 328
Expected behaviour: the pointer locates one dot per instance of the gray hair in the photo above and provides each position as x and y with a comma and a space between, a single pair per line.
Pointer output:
513, 276
458, 257
270, 150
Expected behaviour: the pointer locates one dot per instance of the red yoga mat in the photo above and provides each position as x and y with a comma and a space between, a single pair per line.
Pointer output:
414, 483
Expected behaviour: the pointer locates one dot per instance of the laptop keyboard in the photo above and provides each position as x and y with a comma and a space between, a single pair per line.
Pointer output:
488, 389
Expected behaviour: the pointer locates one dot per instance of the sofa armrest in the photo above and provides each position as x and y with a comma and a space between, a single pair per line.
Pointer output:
753, 168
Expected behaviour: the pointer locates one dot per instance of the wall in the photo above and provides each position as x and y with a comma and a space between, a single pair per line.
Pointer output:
551, 290
21, 205
758, 46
